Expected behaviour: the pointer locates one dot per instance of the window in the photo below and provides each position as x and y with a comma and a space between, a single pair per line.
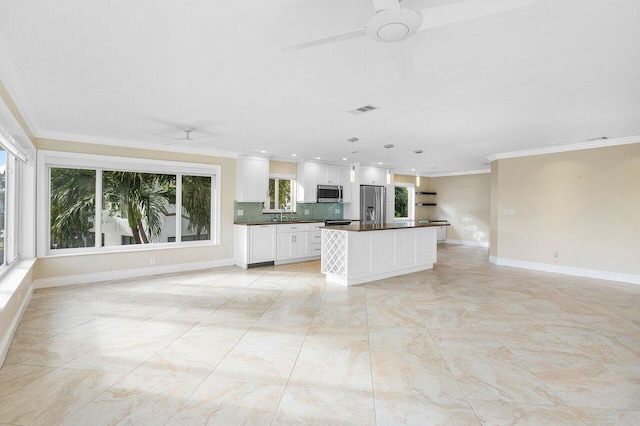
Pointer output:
9, 203
126, 203
3, 193
281, 194
404, 204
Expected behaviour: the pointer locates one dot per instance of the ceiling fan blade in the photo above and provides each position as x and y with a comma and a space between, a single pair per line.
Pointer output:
161, 136
379, 5
327, 40
466, 10
403, 58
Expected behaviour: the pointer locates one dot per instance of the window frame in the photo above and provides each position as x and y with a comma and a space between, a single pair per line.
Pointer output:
55, 159
411, 208
281, 176
11, 252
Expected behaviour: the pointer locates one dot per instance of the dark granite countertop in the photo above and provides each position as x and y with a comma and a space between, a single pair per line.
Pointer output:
284, 222
386, 226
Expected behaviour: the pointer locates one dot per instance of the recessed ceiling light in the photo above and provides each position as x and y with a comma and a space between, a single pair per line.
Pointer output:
380, 164
344, 158
413, 170
263, 151
293, 155
317, 158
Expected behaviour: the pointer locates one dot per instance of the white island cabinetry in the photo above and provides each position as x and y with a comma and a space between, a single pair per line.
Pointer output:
355, 254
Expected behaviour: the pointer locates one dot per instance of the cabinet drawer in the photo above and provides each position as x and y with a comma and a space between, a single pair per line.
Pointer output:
292, 227
315, 249
315, 236
315, 226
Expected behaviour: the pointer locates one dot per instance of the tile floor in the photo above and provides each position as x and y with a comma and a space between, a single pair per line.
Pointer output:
465, 343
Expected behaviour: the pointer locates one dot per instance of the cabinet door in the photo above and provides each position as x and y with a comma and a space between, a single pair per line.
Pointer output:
346, 184
307, 182
301, 244
323, 174
262, 243
285, 246
372, 176
335, 177
252, 179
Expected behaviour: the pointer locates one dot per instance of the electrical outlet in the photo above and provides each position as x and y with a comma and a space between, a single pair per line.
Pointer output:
337, 211
306, 212
509, 212
240, 212
152, 261
556, 256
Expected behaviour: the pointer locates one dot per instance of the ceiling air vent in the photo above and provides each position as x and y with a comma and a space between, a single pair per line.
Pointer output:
599, 138
362, 110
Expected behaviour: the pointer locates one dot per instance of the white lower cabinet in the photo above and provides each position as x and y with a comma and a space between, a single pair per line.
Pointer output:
279, 243
262, 243
292, 245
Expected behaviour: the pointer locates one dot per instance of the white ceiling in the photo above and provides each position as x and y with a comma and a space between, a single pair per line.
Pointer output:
556, 72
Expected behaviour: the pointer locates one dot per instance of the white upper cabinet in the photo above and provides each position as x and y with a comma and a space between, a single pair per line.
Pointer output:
307, 182
372, 176
329, 174
252, 179
310, 175
345, 173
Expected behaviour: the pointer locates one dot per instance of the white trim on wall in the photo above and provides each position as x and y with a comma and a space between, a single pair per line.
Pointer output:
467, 243
5, 341
129, 273
567, 270
462, 173
564, 148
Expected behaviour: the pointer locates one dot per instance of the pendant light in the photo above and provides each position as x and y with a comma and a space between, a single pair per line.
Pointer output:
418, 152
352, 174
388, 147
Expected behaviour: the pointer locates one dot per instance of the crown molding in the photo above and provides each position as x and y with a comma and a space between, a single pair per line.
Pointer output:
461, 173
97, 140
565, 148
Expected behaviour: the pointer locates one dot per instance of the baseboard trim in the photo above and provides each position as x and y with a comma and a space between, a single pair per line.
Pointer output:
129, 273
5, 342
467, 243
567, 270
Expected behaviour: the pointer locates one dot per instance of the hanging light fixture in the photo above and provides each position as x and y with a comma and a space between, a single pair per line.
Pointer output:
388, 147
352, 174
418, 152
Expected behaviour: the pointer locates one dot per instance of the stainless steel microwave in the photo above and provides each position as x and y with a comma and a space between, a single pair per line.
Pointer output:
329, 193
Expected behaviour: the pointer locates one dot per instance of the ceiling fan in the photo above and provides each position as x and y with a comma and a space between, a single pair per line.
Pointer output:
392, 24
187, 139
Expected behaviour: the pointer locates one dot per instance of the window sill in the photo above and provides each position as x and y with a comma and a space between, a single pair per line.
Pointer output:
127, 249
12, 278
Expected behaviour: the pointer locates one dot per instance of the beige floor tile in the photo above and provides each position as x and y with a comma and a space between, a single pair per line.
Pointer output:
13, 377
257, 364
470, 343
225, 402
416, 374
53, 397
500, 380
607, 416
325, 336
275, 333
401, 339
322, 368
325, 405
411, 409
510, 413
589, 385
330, 313
137, 399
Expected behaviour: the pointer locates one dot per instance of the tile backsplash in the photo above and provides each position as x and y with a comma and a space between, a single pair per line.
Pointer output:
252, 212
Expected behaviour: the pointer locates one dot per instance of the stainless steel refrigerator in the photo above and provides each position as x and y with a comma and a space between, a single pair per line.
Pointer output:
372, 204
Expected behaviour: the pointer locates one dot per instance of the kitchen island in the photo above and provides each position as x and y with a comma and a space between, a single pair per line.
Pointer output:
356, 254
